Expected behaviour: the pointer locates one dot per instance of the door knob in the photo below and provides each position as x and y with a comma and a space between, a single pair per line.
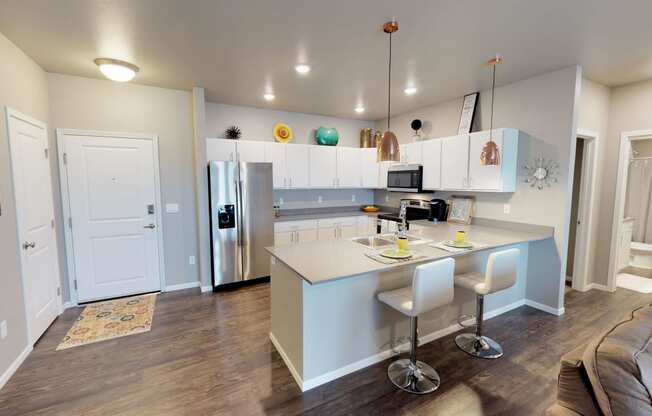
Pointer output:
150, 226
27, 245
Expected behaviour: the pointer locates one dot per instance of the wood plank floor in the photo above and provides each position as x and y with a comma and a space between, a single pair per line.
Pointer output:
210, 355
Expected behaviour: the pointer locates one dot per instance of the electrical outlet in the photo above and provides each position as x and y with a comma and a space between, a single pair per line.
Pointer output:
280, 201
386, 198
191, 260
353, 198
506, 208
320, 199
171, 208
3, 329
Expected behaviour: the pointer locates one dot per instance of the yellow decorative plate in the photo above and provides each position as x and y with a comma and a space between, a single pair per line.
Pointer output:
282, 133
457, 244
392, 253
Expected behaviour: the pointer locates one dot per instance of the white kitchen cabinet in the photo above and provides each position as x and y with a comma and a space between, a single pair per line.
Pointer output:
367, 225
454, 162
383, 167
323, 166
250, 151
411, 153
275, 154
283, 238
297, 165
338, 228
294, 232
431, 161
498, 178
349, 161
220, 149
370, 168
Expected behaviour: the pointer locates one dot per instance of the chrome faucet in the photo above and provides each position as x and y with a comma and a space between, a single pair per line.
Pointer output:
402, 215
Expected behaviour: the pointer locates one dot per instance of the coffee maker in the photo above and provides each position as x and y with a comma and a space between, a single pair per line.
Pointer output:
438, 210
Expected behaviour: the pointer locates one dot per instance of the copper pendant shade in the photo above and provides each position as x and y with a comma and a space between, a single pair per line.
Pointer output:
388, 148
490, 155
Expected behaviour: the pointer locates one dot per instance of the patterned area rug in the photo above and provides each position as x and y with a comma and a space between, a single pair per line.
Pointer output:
111, 319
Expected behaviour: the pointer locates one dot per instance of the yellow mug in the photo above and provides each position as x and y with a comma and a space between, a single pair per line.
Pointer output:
460, 236
402, 244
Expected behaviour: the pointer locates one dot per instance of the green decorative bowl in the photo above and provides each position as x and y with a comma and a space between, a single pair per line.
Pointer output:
327, 136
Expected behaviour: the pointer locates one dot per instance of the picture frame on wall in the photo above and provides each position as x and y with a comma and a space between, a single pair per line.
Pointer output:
467, 114
461, 209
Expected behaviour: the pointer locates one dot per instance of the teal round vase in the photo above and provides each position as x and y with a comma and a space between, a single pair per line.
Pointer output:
327, 136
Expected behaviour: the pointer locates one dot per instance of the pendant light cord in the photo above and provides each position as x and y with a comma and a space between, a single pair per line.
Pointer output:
389, 89
493, 89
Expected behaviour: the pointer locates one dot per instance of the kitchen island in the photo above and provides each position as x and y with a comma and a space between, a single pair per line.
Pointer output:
326, 320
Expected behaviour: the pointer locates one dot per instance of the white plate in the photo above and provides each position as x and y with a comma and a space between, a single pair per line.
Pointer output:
395, 254
455, 244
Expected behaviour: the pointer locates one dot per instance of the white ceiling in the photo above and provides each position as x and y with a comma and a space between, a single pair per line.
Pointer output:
238, 48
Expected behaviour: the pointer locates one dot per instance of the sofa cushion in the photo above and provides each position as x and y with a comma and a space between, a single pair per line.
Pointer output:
619, 365
574, 391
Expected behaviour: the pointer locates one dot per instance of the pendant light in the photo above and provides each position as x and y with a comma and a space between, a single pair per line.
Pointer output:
388, 149
490, 155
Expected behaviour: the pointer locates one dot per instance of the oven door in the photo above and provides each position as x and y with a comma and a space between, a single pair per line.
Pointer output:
406, 178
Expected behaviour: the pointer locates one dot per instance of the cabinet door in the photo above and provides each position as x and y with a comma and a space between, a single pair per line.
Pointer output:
431, 160
454, 162
383, 167
370, 171
275, 154
220, 149
349, 162
283, 238
297, 162
413, 155
323, 166
250, 151
306, 236
481, 177
327, 233
348, 231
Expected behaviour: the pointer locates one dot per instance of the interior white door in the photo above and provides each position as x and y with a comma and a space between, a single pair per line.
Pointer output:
220, 149
33, 194
349, 174
370, 169
297, 165
251, 151
275, 154
431, 157
112, 186
454, 162
323, 166
482, 177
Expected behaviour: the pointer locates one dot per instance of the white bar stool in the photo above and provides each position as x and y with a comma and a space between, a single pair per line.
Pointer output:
501, 273
432, 287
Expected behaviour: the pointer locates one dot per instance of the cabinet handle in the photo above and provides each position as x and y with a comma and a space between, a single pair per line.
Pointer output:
297, 234
292, 237
290, 182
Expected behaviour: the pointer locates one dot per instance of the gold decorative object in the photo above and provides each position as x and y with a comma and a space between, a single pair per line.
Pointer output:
388, 148
282, 133
377, 136
490, 154
365, 138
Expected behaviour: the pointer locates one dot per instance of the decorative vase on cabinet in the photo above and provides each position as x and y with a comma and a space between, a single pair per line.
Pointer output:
327, 136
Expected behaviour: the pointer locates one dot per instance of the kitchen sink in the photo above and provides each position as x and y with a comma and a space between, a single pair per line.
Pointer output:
410, 238
373, 241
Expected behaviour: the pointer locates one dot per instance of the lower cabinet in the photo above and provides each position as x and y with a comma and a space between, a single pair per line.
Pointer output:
339, 228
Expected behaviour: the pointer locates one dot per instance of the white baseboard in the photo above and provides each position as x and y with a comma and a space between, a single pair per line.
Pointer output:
381, 356
68, 305
545, 308
181, 286
205, 289
4, 378
597, 286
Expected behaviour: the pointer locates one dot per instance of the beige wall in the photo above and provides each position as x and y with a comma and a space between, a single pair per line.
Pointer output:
543, 107
23, 87
91, 104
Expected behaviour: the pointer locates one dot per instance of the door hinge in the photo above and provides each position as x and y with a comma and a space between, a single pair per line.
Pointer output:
65, 158
69, 222
75, 283
59, 291
46, 153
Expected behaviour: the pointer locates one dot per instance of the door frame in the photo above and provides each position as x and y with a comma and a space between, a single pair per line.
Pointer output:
9, 113
65, 199
626, 139
586, 204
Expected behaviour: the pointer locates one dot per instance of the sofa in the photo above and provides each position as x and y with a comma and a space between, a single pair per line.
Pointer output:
612, 375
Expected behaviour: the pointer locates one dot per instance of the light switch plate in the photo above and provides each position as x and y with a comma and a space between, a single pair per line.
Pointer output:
320, 199
171, 208
280, 201
3, 329
353, 198
506, 208
191, 260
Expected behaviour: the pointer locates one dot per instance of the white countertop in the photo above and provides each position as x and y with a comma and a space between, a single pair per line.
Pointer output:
323, 261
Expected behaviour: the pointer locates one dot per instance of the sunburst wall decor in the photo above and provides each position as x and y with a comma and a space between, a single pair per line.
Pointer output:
542, 172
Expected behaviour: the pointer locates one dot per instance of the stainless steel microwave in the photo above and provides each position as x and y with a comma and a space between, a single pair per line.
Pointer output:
405, 178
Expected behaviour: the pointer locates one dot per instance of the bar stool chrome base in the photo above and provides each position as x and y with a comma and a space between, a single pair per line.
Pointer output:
417, 378
479, 346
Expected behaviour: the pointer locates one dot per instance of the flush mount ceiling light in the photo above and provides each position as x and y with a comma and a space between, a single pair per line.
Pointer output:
117, 70
302, 68
388, 149
269, 96
490, 155
410, 90
359, 109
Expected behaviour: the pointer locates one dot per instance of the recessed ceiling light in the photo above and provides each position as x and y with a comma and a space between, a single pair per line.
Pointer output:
117, 70
302, 68
410, 90
269, 96
359, 109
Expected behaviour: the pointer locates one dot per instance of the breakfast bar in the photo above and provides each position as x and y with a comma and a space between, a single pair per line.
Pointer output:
326, 320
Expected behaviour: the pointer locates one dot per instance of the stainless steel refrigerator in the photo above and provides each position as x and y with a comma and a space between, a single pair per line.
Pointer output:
242, 225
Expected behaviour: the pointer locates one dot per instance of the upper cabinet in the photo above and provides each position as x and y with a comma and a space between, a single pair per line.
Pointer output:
220, 149
247, 151
454, 162
411, 153
349, 160
323, 166
370, 168
431, 160
297, 165
275, 154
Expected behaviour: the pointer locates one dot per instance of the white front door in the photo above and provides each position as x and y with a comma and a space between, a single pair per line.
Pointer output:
113, 204
38, 248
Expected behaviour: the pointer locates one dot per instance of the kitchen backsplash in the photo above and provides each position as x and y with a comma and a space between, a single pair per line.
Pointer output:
322, 198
